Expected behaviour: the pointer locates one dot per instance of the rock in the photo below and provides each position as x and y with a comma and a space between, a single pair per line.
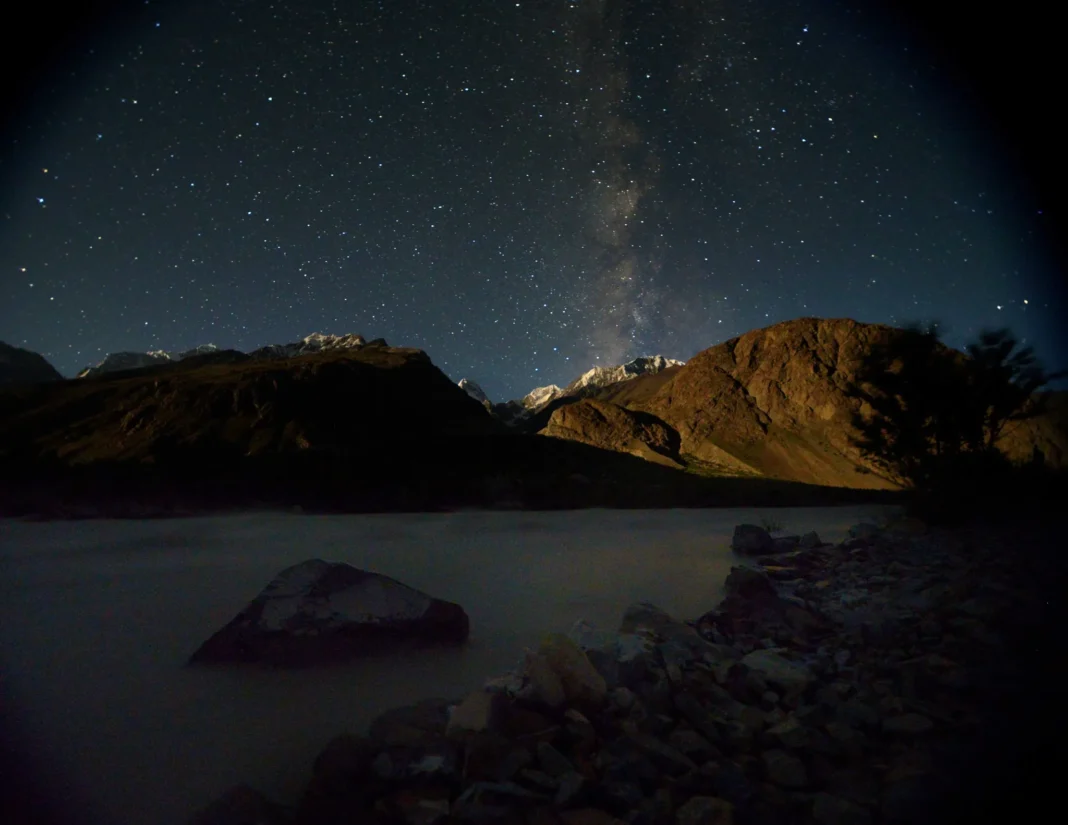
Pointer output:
346, 760
241, 805
856, 714
810, 540
908, 724
785, 544
588, 637
494, 758
785, 770
421, 724
416, 806
404, 762
524, 723
731, 783
581, 682
538, 780
666, 758
697, 715
552, 761
486, 801
479, 711
589, 816
693, 744
542, 683
622, 698
748, 583
571, 787
790, 734
793, 678
618, 796
864, 530
906, 799
705, 810
833, 810
851, 740
316, 612
751, 540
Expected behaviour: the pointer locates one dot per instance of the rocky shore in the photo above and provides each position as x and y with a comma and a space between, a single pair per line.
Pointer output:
905, 675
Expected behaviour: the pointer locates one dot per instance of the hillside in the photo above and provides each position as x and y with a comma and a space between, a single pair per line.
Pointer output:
374, 428
774, 403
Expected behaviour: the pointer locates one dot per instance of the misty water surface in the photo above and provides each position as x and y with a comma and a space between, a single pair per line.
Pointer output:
98, 617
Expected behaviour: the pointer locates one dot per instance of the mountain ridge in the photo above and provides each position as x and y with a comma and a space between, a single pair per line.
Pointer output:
367, 426
315, 342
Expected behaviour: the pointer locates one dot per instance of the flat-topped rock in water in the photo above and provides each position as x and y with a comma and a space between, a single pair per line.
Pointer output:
318, 612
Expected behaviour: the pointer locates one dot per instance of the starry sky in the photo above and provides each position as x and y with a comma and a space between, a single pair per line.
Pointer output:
522, 189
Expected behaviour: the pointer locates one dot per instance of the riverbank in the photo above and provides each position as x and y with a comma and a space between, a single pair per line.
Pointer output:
903, 675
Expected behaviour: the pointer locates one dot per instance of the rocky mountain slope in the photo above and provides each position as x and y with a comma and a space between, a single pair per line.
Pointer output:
774, 403
335, 401
611, 427
21, 366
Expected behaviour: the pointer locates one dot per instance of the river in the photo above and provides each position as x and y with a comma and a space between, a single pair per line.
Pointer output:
98, 617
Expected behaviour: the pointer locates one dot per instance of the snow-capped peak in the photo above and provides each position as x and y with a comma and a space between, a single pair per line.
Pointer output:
591, 380
117, 361
474, 390
202, 349
603, 376
540, 396
318, 341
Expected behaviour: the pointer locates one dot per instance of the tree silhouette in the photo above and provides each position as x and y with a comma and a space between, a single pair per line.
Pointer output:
928, 410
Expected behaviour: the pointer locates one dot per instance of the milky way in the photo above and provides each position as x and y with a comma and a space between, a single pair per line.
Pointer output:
524, 190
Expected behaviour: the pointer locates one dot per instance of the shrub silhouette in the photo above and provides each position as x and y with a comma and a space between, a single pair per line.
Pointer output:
931, 416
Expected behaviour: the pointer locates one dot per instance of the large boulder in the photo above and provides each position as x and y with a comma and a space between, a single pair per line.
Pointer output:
318, 612
751, 540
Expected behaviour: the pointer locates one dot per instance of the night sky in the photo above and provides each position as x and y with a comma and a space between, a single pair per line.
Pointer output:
523, 190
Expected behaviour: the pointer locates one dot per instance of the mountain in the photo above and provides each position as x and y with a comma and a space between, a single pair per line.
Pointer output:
540, 396
120, 361
338, 400
21, 366
772, 403
345, 428
599, 377
316, 342
523, 410
475, 391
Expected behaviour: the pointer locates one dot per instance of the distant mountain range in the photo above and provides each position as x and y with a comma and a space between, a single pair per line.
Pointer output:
521, 410
316, 342
340, 423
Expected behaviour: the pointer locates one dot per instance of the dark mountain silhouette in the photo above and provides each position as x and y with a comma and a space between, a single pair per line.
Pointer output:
21, 366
